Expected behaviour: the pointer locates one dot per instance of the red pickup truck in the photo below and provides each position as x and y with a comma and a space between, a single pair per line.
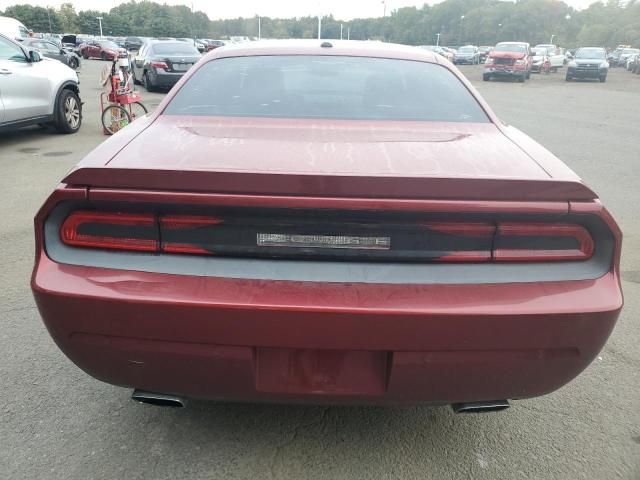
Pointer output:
509, 59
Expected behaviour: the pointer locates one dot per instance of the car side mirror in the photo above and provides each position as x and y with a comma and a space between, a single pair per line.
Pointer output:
34, 56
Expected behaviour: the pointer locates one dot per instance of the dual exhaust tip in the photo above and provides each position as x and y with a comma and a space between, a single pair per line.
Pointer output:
174, 401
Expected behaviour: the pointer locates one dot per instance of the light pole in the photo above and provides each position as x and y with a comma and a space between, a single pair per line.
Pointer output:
341, 28
319, 27
100, 20
498, 33
259, 28
384, 8
552, 37
348, 33
461, 20
49, 15
437, 40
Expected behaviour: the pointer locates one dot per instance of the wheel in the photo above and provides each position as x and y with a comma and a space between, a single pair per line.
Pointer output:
603, 79
73, 62
486, 77
521, 79
103, 56
133, 76
68, 113
568, 78
148, 84
137, 110
528, 74
85, 55
115, 118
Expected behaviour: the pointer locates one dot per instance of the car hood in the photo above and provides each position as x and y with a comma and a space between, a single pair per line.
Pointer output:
514, 55
322, 158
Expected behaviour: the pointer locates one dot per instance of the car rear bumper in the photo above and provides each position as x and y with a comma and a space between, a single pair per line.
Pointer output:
311, 342
166, 79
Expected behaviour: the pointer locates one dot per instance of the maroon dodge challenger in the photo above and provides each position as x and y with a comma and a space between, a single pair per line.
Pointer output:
327, 222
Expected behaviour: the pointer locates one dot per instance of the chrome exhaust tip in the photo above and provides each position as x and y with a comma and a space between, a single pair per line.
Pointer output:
158, 399
480, 407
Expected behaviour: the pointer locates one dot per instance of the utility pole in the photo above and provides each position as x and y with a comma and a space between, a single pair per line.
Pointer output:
341, 27
348, 33
319, 26
259, 28
100, 20
384, 8
438, 40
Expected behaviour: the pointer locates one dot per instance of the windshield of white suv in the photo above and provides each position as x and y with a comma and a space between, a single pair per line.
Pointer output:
307, 86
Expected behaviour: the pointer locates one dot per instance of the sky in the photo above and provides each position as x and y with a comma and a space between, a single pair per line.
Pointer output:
341, 9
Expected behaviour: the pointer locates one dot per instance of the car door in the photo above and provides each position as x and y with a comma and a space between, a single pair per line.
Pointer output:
51, 50
24, 86
138, 61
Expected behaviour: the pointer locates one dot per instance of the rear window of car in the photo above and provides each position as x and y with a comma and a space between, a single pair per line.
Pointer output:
174, 48
333, 87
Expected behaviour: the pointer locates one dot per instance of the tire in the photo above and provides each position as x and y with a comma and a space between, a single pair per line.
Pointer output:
521, 78
103, 56
68, 112
138, 110
148, 84
73, 62
603, 79
85, 55
133, 75
568, 78
486, 77
528, 75
115, 118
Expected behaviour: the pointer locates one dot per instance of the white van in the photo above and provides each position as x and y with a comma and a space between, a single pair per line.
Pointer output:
12, 28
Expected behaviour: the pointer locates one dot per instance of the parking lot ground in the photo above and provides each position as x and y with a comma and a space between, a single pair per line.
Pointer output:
58, 423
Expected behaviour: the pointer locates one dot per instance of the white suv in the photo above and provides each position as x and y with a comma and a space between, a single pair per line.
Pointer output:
36, 90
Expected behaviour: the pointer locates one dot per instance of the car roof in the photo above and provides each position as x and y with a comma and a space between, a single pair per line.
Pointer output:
331, 47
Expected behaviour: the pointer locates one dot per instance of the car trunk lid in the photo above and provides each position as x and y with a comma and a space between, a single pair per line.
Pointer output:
415, 160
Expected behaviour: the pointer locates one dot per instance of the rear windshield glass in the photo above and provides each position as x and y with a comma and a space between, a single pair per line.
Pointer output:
326, 87
174, 48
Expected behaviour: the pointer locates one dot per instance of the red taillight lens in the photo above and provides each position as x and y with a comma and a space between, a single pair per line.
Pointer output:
516, 242
463, 242
185, 227
120, 231
427, 242
161, 65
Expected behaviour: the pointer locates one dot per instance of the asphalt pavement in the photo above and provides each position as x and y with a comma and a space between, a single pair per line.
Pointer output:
56, 422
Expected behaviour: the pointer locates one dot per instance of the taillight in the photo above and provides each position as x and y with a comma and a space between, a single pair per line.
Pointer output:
455, 241
119, 231
462, 242
160, 65
185, 233
521, 242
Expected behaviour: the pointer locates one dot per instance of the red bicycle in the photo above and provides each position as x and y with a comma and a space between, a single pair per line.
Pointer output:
123, 104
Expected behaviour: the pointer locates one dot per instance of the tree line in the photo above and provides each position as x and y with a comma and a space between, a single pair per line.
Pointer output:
453, 22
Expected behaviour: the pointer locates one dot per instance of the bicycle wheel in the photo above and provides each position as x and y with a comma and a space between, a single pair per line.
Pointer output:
137, 110
115, 118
